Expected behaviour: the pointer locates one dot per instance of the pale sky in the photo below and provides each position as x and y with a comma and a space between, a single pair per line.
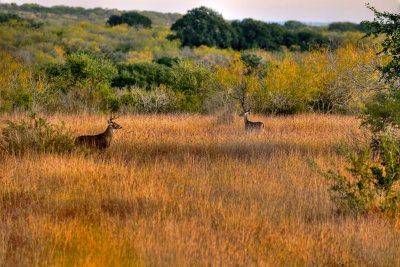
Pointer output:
266, 10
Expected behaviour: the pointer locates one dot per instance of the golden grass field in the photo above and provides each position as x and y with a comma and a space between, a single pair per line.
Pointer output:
183, 190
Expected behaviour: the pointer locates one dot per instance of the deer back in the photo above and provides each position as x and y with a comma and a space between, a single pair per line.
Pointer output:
102, 140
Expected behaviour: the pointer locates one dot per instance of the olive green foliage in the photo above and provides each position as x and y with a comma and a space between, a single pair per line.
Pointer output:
167, 61
74, 62
158, 100
5, 17
130, 18
307, 40
35, 135
346, 27
203, 26
383, 110
372, 180
387, 24
96, 15
83, 70
18, 20
183, 86
86, 78
193, 81
368, 185
257, 34
294, 25
252, 61
145, 75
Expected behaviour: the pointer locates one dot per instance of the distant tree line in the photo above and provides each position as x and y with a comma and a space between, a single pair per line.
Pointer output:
91, 14
347, 27
204, 26
61, 10
7, 17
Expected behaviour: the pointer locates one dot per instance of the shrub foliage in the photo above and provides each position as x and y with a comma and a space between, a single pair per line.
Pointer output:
370, 184
36, 135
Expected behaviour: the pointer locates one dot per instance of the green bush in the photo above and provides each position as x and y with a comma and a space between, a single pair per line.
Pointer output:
382, 111
36, 135
372, 181
83, 82
158, 100
145, 75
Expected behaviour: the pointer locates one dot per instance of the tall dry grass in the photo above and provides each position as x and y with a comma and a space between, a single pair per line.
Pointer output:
188, 191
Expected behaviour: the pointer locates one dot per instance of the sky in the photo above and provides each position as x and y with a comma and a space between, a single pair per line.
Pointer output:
265, 10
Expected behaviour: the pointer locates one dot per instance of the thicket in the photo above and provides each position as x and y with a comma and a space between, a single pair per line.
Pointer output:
72, 66
371, 180
321, 81
6, 17
371, 183
36, 135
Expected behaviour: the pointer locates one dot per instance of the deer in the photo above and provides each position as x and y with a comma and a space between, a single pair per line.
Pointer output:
241, 96
99, 141
251, 125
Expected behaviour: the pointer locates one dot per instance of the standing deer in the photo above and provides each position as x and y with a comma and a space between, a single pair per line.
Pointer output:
102, 140
251, 125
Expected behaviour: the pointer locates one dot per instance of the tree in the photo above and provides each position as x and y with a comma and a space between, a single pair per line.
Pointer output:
383, 110
84, 81
5, 17
144, 75
130, 18
294, 25
203, 26
346, 27
309, 40
372, 179
387, 24
257, 34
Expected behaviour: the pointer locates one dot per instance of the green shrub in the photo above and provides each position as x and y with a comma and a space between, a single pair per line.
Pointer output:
372, 180
145, 75
382, 112
36, 135
158, 100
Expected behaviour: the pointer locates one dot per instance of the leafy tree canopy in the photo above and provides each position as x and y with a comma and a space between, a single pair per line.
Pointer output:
83, 70
387, 24
203, 26
294, 25
346, 27
383, 110
4, 17
257, 34
145, 75
130, 18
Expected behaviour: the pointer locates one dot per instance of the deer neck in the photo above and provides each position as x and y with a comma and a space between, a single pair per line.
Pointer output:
245, 119
109, 131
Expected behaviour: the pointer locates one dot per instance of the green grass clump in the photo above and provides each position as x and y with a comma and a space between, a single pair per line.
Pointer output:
36, 135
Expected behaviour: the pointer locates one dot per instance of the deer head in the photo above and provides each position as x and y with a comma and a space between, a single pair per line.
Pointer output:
113, 124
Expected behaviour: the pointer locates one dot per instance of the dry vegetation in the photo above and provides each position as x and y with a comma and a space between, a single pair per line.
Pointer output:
187, 191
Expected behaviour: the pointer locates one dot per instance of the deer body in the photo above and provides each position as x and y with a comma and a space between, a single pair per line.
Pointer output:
99, 141
251, 125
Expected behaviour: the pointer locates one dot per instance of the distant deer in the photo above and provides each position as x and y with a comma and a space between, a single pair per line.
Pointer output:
102, 140
251, 125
